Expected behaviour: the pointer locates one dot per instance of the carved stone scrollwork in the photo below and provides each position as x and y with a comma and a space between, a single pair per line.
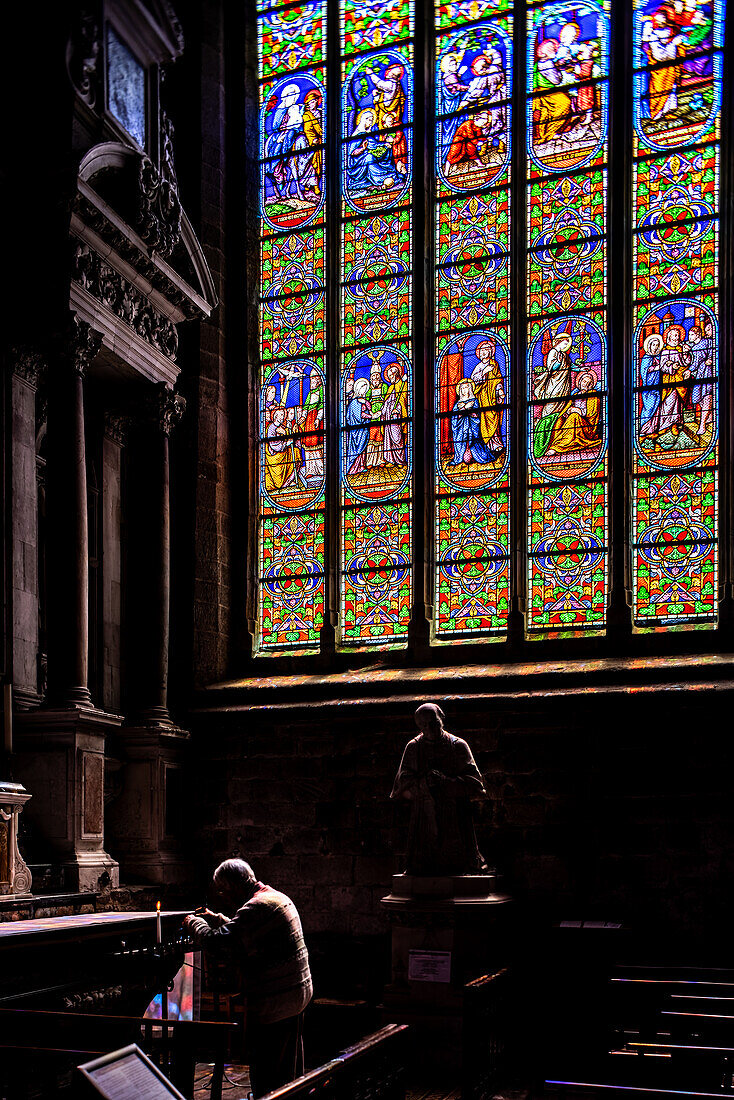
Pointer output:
165, 408
116, 427
168, 166
82, 55
159, 209
124, 300
23, 877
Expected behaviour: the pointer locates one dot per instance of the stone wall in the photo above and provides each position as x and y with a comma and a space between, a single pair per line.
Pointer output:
607, 805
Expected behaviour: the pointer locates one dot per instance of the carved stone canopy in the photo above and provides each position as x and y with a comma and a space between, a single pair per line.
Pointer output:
138, 270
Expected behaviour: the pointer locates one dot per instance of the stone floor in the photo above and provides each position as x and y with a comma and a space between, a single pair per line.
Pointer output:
237, 1086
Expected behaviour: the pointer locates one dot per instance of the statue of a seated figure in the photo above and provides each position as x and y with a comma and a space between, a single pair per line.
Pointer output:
438, 775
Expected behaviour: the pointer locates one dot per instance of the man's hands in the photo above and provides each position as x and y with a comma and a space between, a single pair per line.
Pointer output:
214, 920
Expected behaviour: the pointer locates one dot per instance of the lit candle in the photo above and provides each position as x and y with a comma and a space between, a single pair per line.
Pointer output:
158, 922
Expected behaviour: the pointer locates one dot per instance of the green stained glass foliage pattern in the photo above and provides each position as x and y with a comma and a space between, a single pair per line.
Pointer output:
567, 569
376, 324
292, 38
473, 563
372, 24
473, 370
566, 378
376, 587
291, 391
674, 376
453, 14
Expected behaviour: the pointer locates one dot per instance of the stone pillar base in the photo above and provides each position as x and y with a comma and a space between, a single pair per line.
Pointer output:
145, 817
61, 753
446, 932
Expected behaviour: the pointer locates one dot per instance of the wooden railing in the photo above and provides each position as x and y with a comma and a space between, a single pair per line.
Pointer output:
59, 1039
372, 1069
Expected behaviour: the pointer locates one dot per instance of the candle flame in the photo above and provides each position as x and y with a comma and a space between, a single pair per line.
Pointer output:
157, 907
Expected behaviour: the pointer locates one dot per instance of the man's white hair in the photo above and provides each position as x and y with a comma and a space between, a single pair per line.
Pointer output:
236, 873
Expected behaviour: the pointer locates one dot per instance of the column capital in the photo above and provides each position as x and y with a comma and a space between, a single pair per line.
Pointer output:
165, 409
28, 364
116, 427
80, 345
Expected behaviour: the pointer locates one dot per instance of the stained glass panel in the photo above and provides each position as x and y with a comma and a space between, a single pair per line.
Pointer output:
376, 370
473, 369
674, 379
567, 389
292, 402
126, 98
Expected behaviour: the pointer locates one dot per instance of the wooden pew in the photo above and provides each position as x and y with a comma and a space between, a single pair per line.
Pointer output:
372, 1069
63, 1038
484, 1033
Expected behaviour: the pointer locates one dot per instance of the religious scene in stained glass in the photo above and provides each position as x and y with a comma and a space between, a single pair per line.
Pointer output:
675, 362
376, 371
292, 407
567, 389
672, 386
473, 370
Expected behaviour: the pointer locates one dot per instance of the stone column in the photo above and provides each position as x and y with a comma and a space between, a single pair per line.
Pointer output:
113, 443
144, 817
61, 746
150, 553
28, 366
66, 495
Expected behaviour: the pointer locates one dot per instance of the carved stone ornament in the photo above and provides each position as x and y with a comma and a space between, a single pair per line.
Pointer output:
81, 345
29, 364
92, 216
168, 166
15, 878
159, 209
116, 427
166, 408
124, 300
82, 55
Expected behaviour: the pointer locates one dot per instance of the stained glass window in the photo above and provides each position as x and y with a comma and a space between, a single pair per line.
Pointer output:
567, 408
125, 87
497, 260
291, 392
376, 358
674, 380
473, 89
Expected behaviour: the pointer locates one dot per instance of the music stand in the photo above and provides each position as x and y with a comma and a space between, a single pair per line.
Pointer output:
128, 1074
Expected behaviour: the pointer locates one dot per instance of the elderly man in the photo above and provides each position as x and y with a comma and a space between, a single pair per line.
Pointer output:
266, 939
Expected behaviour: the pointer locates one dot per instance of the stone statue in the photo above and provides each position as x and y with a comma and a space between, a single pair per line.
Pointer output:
439, 777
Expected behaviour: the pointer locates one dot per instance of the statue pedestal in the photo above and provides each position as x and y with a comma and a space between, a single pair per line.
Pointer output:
446, 932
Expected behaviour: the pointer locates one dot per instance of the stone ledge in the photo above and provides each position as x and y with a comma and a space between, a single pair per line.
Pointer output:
384, 687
